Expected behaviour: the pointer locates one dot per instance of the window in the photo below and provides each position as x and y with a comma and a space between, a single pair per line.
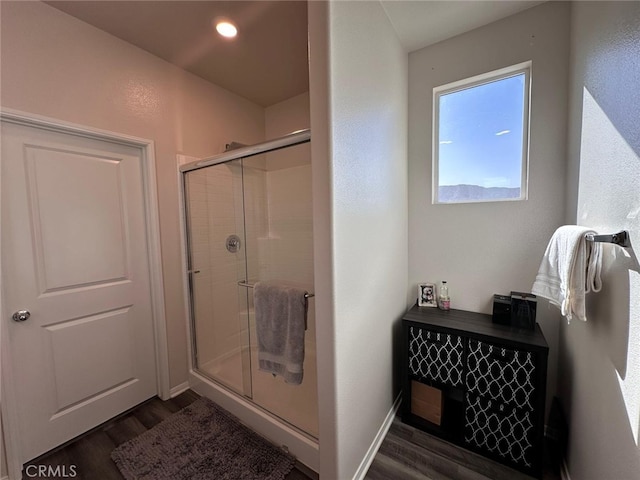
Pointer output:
481, 137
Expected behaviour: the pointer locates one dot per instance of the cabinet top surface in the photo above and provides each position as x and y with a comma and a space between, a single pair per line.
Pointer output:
475, 323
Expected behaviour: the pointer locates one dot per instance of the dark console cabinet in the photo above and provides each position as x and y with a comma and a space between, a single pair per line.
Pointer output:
487, 384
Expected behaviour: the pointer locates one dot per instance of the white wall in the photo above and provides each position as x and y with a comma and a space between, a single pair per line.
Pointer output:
600, 361
359, 123
55, 65
287, 116
487, 248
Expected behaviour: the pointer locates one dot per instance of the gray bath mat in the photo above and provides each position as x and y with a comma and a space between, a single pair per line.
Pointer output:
201, 442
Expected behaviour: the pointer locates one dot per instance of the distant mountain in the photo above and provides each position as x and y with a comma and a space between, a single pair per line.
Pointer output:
466, 193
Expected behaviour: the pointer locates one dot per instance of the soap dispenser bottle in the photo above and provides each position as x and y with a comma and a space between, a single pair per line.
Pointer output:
443, 297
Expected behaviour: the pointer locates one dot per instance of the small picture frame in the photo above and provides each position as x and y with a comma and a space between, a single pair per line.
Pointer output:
427, 295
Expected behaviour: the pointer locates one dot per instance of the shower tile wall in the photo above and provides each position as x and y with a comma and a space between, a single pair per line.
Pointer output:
256, 213
290, 225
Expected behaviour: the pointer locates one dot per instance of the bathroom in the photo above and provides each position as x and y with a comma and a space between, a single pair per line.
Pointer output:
375, 233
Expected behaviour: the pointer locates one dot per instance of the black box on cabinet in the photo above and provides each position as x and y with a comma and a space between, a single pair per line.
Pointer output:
501, 309
523, 310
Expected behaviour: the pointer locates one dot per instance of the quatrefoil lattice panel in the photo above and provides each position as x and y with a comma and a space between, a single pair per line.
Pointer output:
491, 426
436, 356
501, 374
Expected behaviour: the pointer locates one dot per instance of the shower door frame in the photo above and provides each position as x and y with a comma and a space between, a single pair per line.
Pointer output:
302, 445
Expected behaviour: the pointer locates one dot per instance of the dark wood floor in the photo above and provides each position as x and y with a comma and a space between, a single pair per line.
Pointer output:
405, 454
90, 455
410, 454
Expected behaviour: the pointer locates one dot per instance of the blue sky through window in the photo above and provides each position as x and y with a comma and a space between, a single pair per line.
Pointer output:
481, 134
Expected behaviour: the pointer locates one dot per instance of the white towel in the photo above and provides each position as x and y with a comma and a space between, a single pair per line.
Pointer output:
281, 314
569, 270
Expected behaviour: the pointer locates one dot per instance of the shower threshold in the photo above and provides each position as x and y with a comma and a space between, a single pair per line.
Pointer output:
299, 443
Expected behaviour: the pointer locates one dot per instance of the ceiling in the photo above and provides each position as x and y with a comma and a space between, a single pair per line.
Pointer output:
267, 62
421, 23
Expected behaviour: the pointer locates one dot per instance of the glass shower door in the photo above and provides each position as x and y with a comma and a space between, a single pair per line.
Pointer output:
217, 263
279, 233
250, 220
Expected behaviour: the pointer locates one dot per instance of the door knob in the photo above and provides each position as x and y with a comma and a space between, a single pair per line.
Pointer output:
21, 315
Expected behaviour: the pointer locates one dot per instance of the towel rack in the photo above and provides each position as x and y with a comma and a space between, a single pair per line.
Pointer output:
251, 285
620, 238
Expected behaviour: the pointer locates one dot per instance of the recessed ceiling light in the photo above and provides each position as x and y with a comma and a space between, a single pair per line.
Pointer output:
226, 29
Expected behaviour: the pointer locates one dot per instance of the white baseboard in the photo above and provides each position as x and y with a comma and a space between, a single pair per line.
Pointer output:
377, 441
178, 389
564, 471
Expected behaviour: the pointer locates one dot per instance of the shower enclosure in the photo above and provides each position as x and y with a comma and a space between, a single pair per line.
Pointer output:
248, 218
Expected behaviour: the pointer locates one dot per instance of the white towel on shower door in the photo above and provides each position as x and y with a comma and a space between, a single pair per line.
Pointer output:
281, 314
569, 270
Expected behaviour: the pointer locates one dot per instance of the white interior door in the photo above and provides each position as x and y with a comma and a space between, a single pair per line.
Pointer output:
74, 255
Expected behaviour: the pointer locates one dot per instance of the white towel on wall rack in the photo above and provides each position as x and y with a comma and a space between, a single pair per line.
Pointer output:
569, 270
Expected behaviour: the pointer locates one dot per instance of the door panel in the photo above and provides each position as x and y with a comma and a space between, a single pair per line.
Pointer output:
74, 252
93, 339
76, 247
